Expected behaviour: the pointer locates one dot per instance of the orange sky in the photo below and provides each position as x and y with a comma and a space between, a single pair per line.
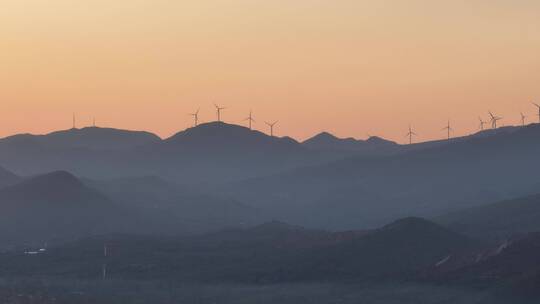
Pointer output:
351, 67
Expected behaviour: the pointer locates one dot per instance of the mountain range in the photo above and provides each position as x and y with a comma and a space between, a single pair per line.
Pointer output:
421, 182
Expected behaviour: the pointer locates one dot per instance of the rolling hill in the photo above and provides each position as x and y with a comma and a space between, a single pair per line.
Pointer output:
360, 192
374, 145
55, 206
272, 252
210, 153
171, 209
499, 220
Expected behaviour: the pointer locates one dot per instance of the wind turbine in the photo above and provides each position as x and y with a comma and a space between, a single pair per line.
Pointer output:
196, 117
218, 109
94, 122
411, 134
250, 119
538, 106
448, 128
271, 125
74, 121
523, 117
494, 120
482, 123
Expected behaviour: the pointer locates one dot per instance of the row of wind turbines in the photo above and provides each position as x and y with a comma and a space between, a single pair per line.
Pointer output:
493, 120
249, 119
410, 134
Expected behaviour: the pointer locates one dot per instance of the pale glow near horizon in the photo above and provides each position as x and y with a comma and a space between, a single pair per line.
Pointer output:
348, 67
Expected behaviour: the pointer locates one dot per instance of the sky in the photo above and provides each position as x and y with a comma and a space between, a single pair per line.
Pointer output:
350, 67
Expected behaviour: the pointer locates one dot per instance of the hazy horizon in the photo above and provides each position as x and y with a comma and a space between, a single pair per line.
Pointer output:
351, 68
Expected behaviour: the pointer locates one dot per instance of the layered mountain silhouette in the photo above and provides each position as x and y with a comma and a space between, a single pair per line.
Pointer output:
425, 182
373, 146
221, 137
396, 250
209, 153
87, 138
169, 208
499, 220
55, 206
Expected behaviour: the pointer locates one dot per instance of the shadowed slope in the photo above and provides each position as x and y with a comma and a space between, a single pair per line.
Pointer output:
55, 205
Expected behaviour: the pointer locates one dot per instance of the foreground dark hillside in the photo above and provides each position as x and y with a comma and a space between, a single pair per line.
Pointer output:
407, 261
273, 252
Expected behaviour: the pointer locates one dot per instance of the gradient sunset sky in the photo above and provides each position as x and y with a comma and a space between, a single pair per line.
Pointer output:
351, 67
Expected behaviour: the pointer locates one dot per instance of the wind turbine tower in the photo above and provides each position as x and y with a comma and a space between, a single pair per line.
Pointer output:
74, 122
494, 120
449, 129
411, 134
482, 123
271, 125
218, 110
523, 117
250, 119
195, 117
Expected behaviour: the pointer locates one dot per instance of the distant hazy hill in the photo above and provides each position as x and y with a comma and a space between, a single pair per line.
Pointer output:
223, 152
54, 205
89, 138
209, 153
398, 249
328, 142
7, 178
172, 209
361, 192
219, 137
499, 220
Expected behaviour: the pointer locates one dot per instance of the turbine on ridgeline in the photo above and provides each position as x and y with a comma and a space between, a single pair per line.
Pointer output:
218, 111
482, 123
449, 129
494, 120
250, 119
271, 125
195, 117
523, 117
411, 134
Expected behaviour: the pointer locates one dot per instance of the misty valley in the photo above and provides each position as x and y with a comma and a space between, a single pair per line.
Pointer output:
220, 213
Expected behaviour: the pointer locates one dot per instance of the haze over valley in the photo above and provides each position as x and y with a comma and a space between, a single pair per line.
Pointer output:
251, 151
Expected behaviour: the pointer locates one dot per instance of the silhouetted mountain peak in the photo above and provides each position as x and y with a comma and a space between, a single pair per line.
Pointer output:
325, 137
58, 187
225, 136
54, 182
328, 141
89, 137
379, 141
